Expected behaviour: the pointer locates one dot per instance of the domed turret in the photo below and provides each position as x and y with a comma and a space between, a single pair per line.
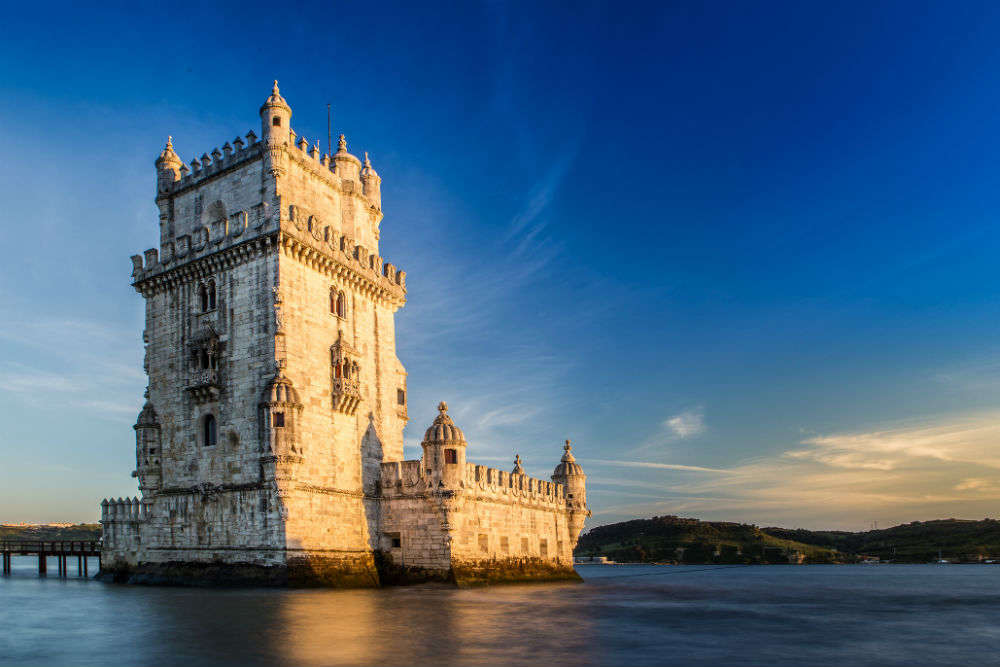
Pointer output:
168, 166
346, 165
147, 449
444, 450
371, 183
275, 118
279, 407
569, 473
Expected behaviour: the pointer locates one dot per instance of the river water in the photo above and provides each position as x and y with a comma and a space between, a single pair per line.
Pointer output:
635, 615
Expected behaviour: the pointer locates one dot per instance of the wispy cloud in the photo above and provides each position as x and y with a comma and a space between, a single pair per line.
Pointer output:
918, 470
73, 363
654, 466
687, 424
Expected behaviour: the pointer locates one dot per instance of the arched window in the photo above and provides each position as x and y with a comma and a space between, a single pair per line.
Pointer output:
276, 121
209, 430
341, 305
203, 358
347, 369
337, 370
203, 293
333, 301
211, 295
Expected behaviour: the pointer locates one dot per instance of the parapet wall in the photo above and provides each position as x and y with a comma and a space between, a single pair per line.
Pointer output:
406, 478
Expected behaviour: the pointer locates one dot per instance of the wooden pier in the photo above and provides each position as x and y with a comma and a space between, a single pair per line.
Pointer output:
62, 550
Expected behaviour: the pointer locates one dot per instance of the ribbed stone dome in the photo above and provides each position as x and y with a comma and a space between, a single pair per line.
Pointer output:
280, 390
275, 100
567, 464
443, 430
147, 416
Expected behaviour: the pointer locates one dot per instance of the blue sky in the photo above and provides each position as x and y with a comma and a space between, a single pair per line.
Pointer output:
743, 254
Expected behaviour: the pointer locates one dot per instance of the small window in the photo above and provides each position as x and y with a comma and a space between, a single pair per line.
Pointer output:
396, 543
338, 372
203, 294
505, 545
203, 358
484, 543
276, 121
450, 456
543, 547
524, 545
341, 305
333, 302
279, 420
211, 295
401, 397
209, 430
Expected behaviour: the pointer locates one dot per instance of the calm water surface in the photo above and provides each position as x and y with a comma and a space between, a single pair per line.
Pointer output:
635, 615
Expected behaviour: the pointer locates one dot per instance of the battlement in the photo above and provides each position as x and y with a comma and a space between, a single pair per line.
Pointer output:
501, 481
122, 511
407, 477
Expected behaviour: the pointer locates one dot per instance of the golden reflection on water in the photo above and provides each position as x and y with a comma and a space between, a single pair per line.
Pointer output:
426, 625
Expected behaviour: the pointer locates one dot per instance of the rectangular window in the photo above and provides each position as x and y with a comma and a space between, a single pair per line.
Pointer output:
543, 548
484, 543
450, 456
401, 397
505, 545
524, 545
279, 420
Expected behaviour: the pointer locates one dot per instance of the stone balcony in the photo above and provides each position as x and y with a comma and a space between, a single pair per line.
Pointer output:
346, 395
204, 384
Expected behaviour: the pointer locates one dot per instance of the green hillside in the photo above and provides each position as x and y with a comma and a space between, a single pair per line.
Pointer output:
917, 542
675, 539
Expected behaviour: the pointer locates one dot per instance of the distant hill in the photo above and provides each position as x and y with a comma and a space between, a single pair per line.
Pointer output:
917, 542
80, 531
675, 539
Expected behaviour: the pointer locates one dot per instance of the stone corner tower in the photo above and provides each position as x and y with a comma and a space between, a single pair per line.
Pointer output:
274, 387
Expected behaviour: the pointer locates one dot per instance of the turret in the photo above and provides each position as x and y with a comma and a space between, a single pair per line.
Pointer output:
570, 474
371, 184
279, 409
346, 165
275, 118
444, 446
168, 167
147, 450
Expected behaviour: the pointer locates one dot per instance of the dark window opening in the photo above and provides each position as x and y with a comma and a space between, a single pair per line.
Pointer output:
450, 456
203, 358
279, 420
341, 305
276, 121
401, 397
203, 293
211, 295
396, 543
338, 372
209, 430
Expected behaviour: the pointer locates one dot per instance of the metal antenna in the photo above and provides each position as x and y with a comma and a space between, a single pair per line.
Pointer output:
329, 132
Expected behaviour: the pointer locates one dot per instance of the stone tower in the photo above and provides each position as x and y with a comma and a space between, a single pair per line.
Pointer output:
274, 387
270, 446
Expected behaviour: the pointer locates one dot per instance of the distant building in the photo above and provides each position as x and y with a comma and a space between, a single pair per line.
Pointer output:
270, 447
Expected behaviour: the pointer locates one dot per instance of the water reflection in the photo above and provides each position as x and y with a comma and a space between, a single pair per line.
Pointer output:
753, 616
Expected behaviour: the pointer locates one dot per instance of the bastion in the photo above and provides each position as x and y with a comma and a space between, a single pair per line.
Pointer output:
270, 447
